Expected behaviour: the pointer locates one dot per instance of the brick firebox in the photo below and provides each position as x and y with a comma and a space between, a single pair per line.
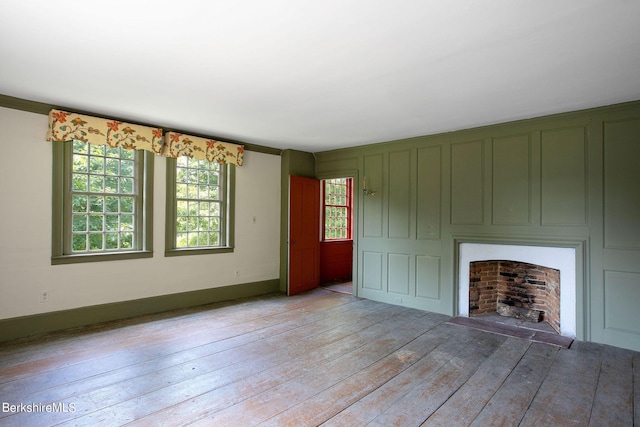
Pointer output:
496, 284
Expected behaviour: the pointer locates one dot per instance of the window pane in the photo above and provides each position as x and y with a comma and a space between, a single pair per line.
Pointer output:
112, 166
80, 182
127, 204
80, 163
111, 241
337, 208
127, 154
192, 191
96, 165
79, 203
95, 242
96, 150
182, 208
203, 239
126, 240
204, 208
80, 147
111, 222
96, 204
79, 223
111, 184
111, 204
214, 239
105, 190
181, 175
95, 223
193, 208
113, 152
197, 206
181, 240
181, 224
79, 242
181, 190
96, 183
126, 185
126, 222
126, 168
214, 192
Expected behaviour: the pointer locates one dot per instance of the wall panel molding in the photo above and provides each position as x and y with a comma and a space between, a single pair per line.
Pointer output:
467, 183
372, 206
398, 274
564, 176
429, 183
511, 180
400, 191
372, 270
428, 279
622, 184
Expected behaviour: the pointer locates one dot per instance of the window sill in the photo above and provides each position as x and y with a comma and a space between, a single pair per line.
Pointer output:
197, 251
98, 257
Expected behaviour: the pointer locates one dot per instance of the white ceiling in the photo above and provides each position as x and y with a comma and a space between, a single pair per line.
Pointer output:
325, 74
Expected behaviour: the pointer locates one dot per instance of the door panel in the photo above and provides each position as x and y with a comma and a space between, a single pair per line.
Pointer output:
304, 234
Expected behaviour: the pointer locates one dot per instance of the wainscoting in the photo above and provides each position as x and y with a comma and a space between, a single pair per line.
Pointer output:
568, 179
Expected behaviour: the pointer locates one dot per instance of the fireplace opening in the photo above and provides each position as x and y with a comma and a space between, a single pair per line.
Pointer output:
516, 290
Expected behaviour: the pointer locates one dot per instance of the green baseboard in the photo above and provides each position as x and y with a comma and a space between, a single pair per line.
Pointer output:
25, 326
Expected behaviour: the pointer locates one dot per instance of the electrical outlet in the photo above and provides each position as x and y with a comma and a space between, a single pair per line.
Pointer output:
44, 296
237, 273
253, 219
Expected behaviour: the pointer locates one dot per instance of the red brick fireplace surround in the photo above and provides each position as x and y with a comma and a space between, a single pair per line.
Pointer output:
515, 289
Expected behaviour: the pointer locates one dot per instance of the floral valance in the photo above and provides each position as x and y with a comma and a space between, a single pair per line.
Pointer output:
177, 144
65, 126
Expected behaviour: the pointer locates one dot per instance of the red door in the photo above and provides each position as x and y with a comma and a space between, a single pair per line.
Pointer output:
304, 234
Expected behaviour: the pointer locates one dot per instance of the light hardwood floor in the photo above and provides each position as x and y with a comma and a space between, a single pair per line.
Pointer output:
318, 358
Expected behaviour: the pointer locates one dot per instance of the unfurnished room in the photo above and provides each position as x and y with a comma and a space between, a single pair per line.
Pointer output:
337, 213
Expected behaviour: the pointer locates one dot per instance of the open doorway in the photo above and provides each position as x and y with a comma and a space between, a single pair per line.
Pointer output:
336, 245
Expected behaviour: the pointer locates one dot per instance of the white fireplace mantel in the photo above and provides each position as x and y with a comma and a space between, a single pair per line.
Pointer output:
559, 258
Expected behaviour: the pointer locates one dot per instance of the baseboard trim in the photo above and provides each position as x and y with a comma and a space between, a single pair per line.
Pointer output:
26, 326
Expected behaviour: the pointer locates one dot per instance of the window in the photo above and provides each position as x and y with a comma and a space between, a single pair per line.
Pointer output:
199, 206
337, 201
102, 203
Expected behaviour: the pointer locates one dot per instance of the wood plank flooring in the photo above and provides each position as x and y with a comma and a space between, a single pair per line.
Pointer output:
319, 358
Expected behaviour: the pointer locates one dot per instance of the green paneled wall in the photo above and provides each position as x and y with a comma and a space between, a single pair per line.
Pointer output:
400, 179
564, 176
565, 180
467, 182
511, 183
428, 195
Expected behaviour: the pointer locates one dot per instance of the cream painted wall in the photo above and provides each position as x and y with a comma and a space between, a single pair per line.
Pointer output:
25, 234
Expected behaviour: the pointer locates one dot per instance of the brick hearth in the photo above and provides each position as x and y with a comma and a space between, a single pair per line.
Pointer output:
519, 287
